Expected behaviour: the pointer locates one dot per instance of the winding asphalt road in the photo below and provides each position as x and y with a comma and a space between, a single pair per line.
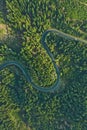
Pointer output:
27, 75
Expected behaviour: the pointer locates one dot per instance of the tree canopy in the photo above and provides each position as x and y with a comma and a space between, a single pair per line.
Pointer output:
21, 106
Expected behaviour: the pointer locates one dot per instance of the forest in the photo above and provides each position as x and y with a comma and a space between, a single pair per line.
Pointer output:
22, 24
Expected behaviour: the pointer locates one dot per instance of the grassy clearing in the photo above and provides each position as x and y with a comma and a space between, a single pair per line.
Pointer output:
3, 31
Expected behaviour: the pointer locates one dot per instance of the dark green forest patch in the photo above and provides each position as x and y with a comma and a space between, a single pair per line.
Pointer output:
21, 106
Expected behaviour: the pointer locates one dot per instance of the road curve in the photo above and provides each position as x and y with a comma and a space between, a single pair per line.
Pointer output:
27, 75
62, 34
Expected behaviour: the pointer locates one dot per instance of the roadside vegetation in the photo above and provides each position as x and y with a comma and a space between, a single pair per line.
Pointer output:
22, 24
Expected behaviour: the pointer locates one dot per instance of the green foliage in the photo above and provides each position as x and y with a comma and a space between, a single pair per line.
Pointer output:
21, 106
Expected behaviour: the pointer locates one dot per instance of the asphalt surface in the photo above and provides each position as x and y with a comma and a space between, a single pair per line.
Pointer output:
28, 76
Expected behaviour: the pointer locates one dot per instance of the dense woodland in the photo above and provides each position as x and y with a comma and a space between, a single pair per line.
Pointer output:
22, 23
